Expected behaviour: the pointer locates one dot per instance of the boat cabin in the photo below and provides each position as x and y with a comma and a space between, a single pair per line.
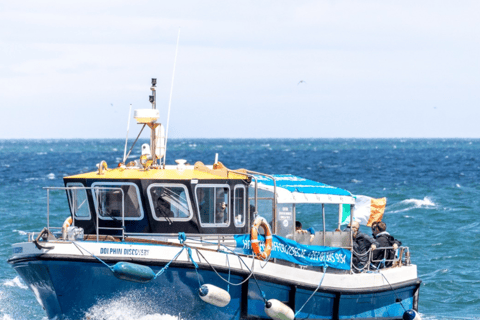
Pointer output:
201, 200
136, 201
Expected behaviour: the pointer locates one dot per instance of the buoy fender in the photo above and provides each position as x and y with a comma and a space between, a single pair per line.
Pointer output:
278, 310
214, 295
133, 272
411, 315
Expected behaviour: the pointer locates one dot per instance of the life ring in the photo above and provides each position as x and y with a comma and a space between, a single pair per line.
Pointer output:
68, 222
261, 222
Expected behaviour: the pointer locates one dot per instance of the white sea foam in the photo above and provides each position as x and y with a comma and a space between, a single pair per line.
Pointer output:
356, 181
7, 317
410, 204
115, 149
21, 232
41, 153
458, 185
15, 282
51, 176
426, 202
123, 308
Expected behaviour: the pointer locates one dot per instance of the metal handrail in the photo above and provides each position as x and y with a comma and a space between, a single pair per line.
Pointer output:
397, 261
73, 209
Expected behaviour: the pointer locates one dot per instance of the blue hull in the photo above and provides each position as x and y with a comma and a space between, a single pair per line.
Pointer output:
68, 289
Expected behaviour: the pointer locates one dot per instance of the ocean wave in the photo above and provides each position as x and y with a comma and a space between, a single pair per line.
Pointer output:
7, 317
356, 181
21, 232
410, 204
51, 176
15, 282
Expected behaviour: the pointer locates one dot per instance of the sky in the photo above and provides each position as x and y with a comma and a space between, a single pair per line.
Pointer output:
245, 69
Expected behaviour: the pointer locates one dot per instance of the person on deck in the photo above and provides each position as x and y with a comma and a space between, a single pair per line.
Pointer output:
298, 229
385, 240
361, 244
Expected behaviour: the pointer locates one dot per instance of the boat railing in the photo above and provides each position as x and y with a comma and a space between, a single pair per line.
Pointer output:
401, 258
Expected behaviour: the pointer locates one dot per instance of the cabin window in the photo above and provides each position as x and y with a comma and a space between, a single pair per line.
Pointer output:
239, 208
213, 205
169, 202
77, 197
108, 201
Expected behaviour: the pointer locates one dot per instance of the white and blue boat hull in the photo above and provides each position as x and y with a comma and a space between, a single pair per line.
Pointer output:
69, 285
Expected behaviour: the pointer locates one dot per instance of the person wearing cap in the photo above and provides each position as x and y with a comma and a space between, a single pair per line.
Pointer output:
362, 243
385, 240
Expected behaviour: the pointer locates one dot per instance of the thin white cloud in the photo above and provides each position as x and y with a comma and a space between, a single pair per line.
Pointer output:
239, 65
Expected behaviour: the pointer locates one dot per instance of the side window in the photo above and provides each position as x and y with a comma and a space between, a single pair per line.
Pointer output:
212, 204
169, 202
239, 206
108, 201
77, 197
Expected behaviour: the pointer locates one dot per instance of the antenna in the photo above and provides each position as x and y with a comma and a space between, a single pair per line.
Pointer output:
170, 100
126, 140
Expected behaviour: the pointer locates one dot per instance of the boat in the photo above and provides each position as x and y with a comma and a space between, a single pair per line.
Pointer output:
204, 241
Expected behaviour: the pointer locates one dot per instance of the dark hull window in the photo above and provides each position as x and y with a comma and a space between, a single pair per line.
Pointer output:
77, 196
108, 201
169, 202
213, 202
240, 202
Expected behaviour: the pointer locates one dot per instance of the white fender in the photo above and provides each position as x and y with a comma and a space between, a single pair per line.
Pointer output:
411, 315
278, 310
214, 295
160, 141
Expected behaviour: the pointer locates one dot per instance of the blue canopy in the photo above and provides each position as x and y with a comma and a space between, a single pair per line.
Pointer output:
295, 189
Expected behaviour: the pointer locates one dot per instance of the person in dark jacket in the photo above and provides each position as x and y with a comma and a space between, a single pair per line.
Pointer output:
385, 240
361, 244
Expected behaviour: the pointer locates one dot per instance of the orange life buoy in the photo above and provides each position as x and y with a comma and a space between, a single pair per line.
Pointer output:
68, 222
261, 222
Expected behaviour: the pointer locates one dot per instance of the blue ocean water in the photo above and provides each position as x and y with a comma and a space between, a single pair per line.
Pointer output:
431, 186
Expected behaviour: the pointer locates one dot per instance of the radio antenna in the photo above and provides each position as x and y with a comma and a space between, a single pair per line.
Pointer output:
126, 140
170, 100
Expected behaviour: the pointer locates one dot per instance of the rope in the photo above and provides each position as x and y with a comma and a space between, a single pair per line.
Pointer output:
400, 300
228, 284
233, 252
77, 245
159, 273
237, 284
318, 287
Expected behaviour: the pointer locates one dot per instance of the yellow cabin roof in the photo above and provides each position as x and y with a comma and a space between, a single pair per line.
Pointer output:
200, 172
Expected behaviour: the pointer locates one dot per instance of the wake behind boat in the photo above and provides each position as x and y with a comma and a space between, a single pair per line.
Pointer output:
208, 242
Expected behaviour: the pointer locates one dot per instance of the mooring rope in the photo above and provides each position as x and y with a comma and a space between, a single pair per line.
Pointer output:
318, 287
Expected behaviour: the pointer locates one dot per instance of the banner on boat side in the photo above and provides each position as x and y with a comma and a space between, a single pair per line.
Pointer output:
292, 251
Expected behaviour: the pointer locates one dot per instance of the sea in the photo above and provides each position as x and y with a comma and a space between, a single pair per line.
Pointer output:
431, 185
